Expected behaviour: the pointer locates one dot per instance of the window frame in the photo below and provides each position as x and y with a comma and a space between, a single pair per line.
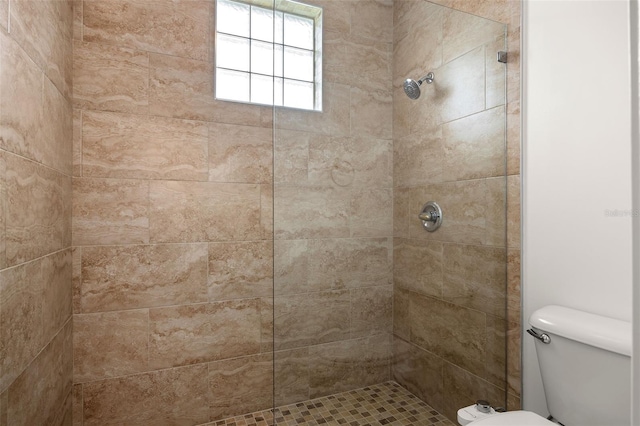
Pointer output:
288, 7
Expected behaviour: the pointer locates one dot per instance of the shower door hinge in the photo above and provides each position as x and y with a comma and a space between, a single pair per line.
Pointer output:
502, 56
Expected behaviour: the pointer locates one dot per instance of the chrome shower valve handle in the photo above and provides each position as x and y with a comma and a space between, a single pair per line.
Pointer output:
431, 216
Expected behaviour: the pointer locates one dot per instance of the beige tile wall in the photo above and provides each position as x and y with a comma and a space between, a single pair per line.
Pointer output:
333, 204
173, 222
35, 213
451, 324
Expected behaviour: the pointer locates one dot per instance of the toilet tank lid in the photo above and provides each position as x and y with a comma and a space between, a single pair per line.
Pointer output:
594, 330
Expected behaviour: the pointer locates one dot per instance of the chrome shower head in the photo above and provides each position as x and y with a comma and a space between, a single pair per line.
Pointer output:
412, 87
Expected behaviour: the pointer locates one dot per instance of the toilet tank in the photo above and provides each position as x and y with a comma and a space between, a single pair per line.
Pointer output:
585, 367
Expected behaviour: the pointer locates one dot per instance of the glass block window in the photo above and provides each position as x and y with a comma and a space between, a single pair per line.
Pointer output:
269, 57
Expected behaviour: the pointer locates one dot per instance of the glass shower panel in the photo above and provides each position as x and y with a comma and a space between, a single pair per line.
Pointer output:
362, 293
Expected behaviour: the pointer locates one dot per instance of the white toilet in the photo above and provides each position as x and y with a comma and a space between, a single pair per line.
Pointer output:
585, 361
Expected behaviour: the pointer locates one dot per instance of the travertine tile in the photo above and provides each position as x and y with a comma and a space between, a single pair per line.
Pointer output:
311, 212
38, 217
55, 274
371, 213
462, 84
474, 146
418, 159
77, 143
349, 364
240, 153
199, 333
240, 385
513, 211
3, 210
496, 218
110, 211
475, 277
175, 28
77, 20
39, 395
204, 211
513, 285
174, 396
333, 120
76, 278
57, 129
355, 162
513, 138
44, 29
240, 270
401, 318
266, 324
371, 311
266, 212
496, 73
496, 10
304, 319
130, 277
452, 332
372, 19
463, 32
78, 413
514, 358
168, 78
335, 16
371, 113
495, 372
291, 376
110, 344
110, 78
419, 371
462, 388
418, 266
291, 155
303, 266
21, 322
4, 15
132, 146
357, 61
33, 115
401, 212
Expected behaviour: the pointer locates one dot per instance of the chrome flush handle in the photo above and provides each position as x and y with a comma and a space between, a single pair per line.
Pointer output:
543, 337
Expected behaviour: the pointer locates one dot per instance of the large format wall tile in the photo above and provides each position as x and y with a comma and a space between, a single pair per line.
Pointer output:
39, 396
110, 344
311, 212
451, 332
304, 320
110, 211
240, 153
21, 325
132, 146
206, 332
129, 277
44, 29
38, 216
241, 385
204, 211
240, 270
373, 19
419, 371
291, 376
55, 274
178, 396
463, 32
110, 78
371, 113
321, 160
371, 311
303, 266
475, 277
462, 82
418, 158
371, 213
179, 28
35, 119
3, 210
76, 156
418, 266
474, 146
349, 364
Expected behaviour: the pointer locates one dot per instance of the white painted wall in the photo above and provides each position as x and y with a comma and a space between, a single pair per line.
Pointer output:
576, 164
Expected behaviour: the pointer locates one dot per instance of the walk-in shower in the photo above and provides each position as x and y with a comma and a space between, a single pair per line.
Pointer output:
412, 87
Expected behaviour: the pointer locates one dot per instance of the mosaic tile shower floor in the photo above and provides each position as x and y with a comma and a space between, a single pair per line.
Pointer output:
383, 404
